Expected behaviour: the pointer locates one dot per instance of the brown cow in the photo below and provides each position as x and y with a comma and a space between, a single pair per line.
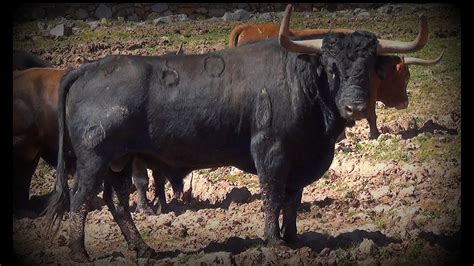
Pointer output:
389, 87
35, 130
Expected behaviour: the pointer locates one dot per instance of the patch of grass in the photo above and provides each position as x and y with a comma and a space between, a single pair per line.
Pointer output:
433, 210
415, 251
391, 149
431, 148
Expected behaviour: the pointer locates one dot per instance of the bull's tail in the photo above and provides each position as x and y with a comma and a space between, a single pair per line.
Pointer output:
234, 35
59, 200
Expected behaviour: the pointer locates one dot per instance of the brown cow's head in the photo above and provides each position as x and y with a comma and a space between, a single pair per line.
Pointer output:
394, 76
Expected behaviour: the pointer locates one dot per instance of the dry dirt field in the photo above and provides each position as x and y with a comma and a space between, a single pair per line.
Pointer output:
390, 201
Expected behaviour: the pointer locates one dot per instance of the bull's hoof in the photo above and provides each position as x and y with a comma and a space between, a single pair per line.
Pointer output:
146, 253
374, 135
78, 256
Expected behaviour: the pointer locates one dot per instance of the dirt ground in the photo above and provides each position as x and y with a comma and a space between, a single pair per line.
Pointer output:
394, 200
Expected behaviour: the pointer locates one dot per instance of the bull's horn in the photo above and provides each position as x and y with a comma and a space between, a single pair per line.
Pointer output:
388, 46
180, 50
307, 46
423, 62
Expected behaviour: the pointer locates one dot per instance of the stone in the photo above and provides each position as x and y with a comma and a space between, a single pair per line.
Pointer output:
172, 18
42, 26
242, 5
201, 10
159, 7
153, 15
120, 19
185, 10
133, 17
93, 24
103, 11
407, 192
197, 17
367, 246
243, 14
81, 14
168, 13
380, 192
364, 14
216, 12
61, 30
103, 21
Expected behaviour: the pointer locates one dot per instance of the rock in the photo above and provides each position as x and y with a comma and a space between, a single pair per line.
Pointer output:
229, 17
407, 192
103, 11
172, 18
367, 246
267, 16
81, 14
93, 24
363, 14
120, 19
324, 252
103, 21
243, 14
197, 17
216, 12
168, 13
380, 192
159, 7
242, 5
153, 15
61, 30
201, 10
381, 208
42, 26
385, 9
133, 17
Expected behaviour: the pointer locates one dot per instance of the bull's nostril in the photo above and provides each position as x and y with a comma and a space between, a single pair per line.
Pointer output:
348, 109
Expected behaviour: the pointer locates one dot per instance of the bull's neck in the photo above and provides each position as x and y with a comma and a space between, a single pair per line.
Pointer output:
317, 32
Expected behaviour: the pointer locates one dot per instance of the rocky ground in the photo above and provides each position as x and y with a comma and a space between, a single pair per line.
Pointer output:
394, 200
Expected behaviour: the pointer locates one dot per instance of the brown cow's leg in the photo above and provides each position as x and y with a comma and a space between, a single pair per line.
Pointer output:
374, 132
24, 170
290, 209
160, 197
116, 196
140, 179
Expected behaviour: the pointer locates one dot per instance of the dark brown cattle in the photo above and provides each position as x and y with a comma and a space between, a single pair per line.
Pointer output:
389, 87
35, 126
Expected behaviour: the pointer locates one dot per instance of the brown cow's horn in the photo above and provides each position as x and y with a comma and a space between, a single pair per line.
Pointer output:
308, 46
388, 46
423, 62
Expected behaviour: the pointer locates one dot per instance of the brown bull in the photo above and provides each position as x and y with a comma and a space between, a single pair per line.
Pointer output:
389, 87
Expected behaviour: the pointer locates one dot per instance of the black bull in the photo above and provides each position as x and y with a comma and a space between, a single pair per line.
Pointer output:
259, 107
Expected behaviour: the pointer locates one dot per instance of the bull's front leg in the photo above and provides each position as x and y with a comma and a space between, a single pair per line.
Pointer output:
290, 211
272, 168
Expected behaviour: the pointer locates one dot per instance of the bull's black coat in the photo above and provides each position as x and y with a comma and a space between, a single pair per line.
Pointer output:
257, 107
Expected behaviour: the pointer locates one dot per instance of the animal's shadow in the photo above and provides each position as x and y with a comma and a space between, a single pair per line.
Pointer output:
315, 241
236, 195
448, 242
428, 126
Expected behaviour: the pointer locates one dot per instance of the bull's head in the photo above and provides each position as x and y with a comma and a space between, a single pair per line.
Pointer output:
349, 61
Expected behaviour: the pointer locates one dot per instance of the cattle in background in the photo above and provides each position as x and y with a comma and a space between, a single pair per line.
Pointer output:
23, 60
35, 126
389, 87
272, 108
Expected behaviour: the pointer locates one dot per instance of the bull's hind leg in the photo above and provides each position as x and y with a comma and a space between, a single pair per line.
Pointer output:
272, 168
160, 197
140, 179
290, 212
87, 184
116, 196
